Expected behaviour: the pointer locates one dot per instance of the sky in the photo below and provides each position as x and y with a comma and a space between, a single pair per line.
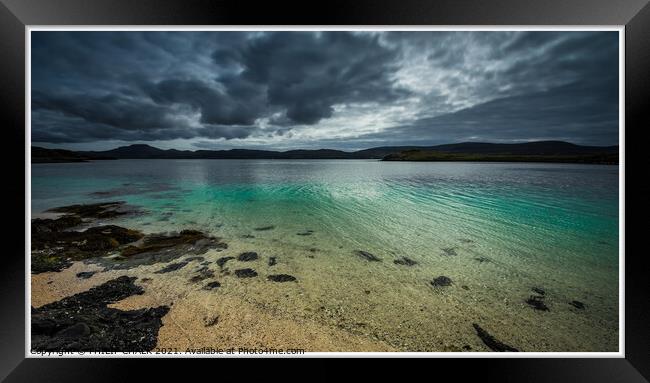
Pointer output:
309, 90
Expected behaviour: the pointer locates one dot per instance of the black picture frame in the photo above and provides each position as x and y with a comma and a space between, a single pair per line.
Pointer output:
15, 15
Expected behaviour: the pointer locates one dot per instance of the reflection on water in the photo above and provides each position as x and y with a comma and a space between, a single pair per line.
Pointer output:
496, 230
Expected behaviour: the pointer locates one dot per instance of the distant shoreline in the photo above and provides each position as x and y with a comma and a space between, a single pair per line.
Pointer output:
539, 151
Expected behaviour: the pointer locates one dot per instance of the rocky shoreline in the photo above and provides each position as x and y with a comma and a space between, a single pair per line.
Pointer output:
85, 320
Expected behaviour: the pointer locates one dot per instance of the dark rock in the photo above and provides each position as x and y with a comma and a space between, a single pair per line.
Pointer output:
198, 259
247, 256
537, 302
491, 342
75, 331
367, 256
482, 259
577, 304
54, 250
405, 261
171, 267
212, 285
248, 236
94, 210
305, 232
272, 261
464, 287
245, 273
449, 251
222, 261
49, 225
83, 322
465, 240
202, 273
156, 248
441, 281
210, 320
85, 274
281, 278
538, 290
264, 228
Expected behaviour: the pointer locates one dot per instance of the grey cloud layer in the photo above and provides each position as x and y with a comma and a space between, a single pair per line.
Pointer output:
288, 87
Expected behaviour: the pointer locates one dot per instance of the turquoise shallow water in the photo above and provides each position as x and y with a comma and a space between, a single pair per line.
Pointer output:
550, 225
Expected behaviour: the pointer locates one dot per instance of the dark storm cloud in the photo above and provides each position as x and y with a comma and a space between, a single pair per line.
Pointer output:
579, 112
266, 88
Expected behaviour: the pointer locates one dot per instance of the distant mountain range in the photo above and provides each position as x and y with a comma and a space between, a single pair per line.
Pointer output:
140, 151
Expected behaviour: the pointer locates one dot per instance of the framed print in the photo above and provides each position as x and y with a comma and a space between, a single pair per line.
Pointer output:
441, 180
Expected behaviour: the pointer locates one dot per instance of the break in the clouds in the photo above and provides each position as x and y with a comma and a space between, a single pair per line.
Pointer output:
346, 90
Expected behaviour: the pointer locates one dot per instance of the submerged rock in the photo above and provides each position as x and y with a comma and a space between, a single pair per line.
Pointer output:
405, 261
210, 320
281, 278
538, 290
272, 261
491, 342
95, 210
537, 302
367, 256
245, 273
202, 273
482, 259
212, 285
248, 236
305, 232
83, 322
171, 267
48, 225
449, 251
222, 261
577, 304
247, 256
441, 281
156, 248
85, 274
264, 228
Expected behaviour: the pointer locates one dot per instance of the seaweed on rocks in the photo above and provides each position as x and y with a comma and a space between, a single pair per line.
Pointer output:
247, 256
491, 342
404, 261
95, 210
281, 278
54, 247
367, 256
83, 322
245, 273
156, 248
